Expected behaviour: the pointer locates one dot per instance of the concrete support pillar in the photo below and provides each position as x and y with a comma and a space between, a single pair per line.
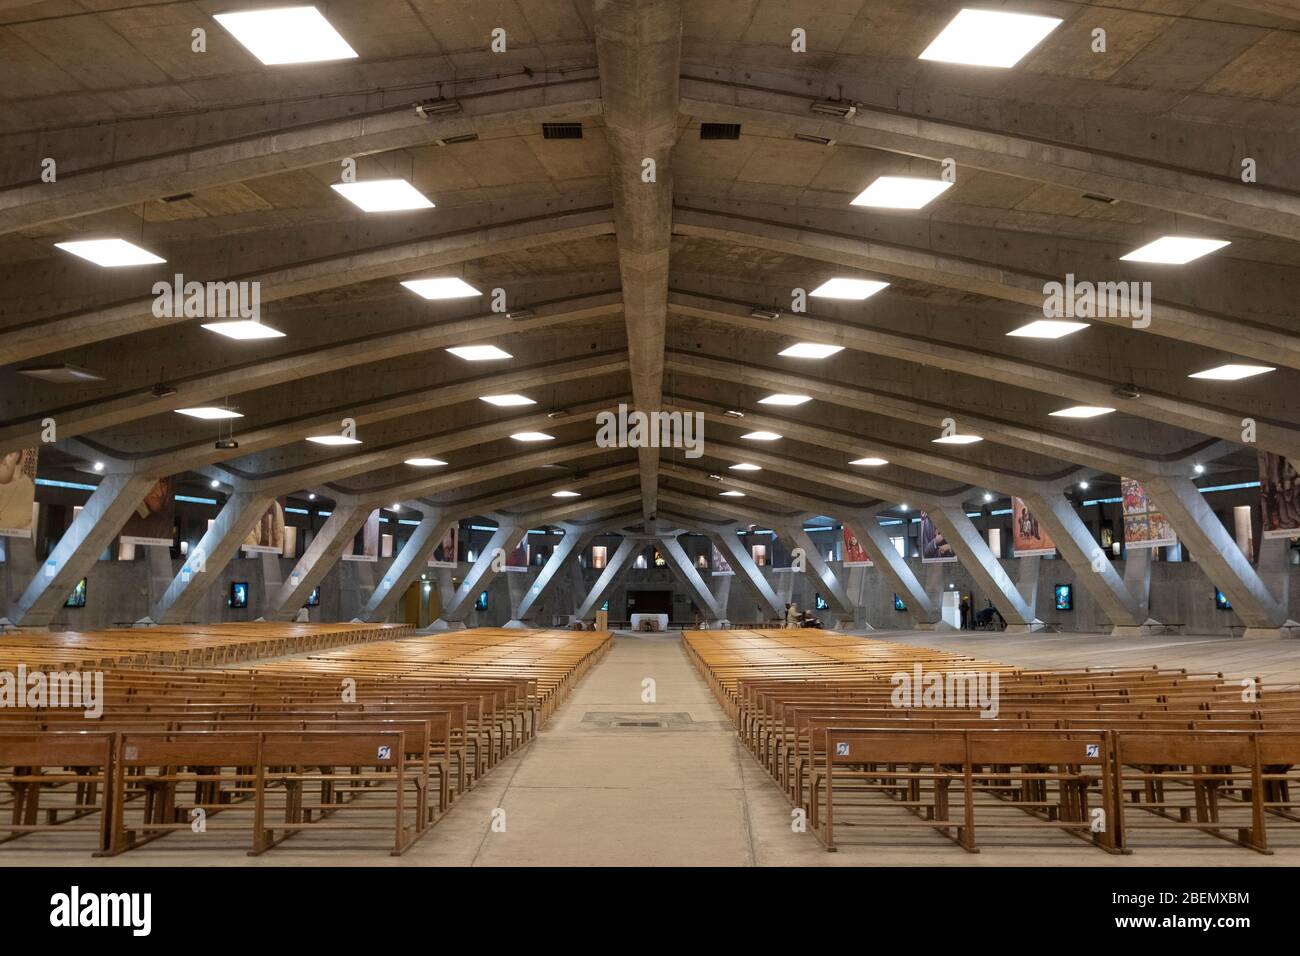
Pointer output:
504, 540
875, 541
837, 597
242, 511
101, 519
572, 543
409, 563
323, 553
742, 562
1214, 548
687, 571
1091, 566
614, 567
979, 561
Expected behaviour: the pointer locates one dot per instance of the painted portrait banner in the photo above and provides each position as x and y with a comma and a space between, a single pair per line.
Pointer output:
18, 493
935, 548
444, 555
154, 519
267, 536
854, 554
1028, 539
720, 563
517, 560
1144, 525
1279, 496
369, 541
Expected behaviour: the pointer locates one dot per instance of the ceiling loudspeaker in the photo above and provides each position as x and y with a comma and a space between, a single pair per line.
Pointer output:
1126, 391
225, 444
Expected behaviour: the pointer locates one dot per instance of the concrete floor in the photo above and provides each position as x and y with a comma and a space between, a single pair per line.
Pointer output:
588, 794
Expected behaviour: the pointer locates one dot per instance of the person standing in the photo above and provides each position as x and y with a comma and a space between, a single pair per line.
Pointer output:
965, 612
791, 615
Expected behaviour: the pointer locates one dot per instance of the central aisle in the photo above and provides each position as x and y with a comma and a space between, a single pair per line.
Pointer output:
589, 792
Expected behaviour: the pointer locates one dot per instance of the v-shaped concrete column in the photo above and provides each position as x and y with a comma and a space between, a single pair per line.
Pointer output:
979, 561
321, 555
693, 580
796, 537
504, 540
99, 522
743, 562
573, 541
1091, 566
875, 541
614, 568
409, 563
1216, 551
203, 566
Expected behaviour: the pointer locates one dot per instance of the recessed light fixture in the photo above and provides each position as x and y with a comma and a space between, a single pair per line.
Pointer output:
1083, 485
443, 287
1199, 469
900, 192
732, 494
214, 483
565, 494
870, 462
811, 350
382, 195
987, 497
286, 35
1174, 250
425, 462
243, 330
746, 466
781, 398
507, 401
479, 353
1048, 329
209, 413
989, 38
761, 436
1082, 411
957, 439
110, 253
62, 374
98, 466
312, 496
902, 508
333, 440
395, 507
840, 288
1232, 372
532, 436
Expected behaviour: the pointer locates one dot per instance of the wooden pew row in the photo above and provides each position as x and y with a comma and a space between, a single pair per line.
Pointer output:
265, 747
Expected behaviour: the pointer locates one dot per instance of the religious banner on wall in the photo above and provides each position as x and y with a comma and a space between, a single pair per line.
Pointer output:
1027, 537
267, 536
369, 541
444, 555
1144, 525
517, 560
154, 519
1279, 496
18, 493
854, 554
720, 563
935, 548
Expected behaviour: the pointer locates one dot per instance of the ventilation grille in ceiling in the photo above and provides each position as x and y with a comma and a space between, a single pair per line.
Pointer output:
562, 131
719, 131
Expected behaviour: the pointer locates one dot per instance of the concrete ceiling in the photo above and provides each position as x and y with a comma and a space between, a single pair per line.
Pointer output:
641, 291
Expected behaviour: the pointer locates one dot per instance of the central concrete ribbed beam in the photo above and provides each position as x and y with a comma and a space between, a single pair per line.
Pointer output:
638, 48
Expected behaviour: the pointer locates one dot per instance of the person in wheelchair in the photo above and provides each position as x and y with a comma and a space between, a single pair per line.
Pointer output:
985, 617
